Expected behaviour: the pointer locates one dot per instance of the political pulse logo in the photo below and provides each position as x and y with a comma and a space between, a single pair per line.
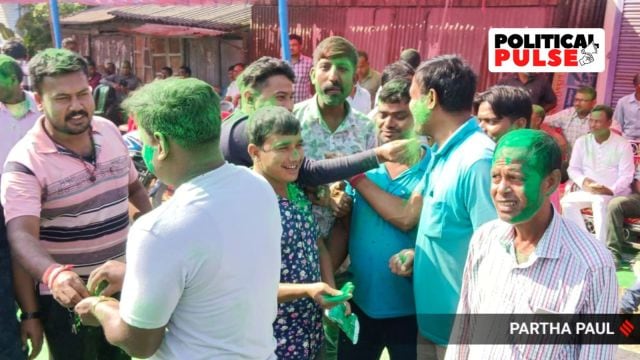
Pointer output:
546, 50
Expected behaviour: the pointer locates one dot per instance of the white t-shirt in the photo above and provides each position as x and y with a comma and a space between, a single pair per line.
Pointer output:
207, 264
361, 100
232, 90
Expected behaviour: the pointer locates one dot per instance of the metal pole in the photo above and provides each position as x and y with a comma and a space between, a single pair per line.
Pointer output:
283, 18
55, 23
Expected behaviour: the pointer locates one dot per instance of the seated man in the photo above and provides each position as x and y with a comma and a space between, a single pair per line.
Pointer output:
619, 208
530, 260
502, 108
574, 121
602, 166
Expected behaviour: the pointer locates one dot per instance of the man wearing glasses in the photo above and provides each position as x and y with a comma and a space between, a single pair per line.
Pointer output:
574, 121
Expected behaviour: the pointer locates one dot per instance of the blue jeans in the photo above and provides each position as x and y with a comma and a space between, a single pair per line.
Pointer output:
10, 344
631, 299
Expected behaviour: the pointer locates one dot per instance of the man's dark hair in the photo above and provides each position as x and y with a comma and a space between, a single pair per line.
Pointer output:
451, 78
605, 109
588, 90
271, 120
506, 101
231, 67
54, 62
186, 69
395, 91
411, 56
10, 67
258, 72
397, 70
168, 70
296, 37
15, 49
636, 80
335, 46
363, 54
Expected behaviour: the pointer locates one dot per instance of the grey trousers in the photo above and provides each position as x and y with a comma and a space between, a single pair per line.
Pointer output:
619, 208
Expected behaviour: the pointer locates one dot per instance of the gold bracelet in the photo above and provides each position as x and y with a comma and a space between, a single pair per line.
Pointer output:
100, 300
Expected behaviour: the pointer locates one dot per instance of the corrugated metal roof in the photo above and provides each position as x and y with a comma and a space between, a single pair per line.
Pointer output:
91, 16
218, 17
171, 30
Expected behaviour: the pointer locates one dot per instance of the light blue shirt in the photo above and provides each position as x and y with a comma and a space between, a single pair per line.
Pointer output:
373, 240
456, 201
627, 114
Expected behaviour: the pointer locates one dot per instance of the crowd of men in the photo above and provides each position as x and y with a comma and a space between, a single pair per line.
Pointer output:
430, 197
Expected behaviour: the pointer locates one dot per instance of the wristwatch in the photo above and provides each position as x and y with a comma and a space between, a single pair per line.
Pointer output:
30, 315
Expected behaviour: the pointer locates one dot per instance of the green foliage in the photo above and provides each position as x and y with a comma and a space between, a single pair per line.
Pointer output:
34, 25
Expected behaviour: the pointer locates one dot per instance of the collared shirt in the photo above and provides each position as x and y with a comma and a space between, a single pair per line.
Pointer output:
361, 100
371, 82
12, 129
82, 206
302, 86
610, 163
372, 241
569, 272
456, 202
539, 89
572, 125
355, 134
627, 114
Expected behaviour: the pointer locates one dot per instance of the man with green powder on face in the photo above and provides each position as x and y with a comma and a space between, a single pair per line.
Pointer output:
531, 259
18, 113
451, 201
66, 188
330, 128
270, 81
202, 269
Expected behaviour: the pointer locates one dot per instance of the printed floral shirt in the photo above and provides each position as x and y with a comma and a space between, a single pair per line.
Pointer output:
356, 133
298, 326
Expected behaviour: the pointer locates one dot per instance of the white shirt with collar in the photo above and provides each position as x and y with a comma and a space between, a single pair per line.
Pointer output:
609, 163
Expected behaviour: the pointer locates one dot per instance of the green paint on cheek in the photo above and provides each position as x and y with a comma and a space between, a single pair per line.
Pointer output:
421, 113
534, 196
147, 156
345, 82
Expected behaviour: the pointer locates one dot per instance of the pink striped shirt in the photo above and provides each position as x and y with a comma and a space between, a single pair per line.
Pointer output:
83, 209
569, 272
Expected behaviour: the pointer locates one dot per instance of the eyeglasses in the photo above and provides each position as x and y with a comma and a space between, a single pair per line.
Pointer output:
582, 100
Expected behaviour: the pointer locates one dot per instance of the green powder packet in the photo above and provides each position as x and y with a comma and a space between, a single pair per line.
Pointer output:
348, 324
346, 292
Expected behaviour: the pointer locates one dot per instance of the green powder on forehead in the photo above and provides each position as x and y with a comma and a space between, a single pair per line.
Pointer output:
535, 148
185, 110
539, 155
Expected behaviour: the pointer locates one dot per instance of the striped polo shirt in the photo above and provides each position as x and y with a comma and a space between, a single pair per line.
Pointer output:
83, 209
569, 272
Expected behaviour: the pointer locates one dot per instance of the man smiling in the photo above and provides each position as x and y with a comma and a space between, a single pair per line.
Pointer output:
65, 187
330, 127
517, 263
